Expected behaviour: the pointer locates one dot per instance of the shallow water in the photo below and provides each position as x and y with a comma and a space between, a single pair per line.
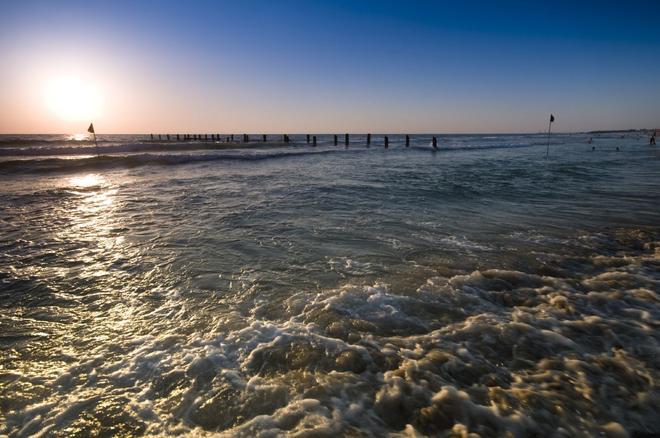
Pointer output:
189, 288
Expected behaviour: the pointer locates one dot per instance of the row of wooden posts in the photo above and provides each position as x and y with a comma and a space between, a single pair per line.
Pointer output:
285, 139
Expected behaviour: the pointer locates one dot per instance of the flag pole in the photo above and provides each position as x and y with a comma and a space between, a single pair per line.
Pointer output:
97, 145
92, 131
547, 149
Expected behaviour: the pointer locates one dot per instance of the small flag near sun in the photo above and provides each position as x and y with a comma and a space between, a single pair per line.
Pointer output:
91, 131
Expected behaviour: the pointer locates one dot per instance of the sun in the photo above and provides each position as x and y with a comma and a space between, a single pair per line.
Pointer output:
73, 99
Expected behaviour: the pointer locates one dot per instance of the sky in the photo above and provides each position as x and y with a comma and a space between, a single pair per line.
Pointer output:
328, 66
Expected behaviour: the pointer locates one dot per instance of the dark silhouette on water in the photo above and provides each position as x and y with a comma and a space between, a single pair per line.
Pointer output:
547, 150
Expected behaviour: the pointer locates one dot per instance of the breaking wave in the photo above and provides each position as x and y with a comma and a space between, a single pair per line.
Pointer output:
493, 352
127, 161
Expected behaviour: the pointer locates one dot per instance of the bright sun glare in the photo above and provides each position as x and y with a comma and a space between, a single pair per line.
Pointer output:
73, 99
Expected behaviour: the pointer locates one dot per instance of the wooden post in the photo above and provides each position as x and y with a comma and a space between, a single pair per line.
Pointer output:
231, 137
152, 137
264, 138
307, 138
387, 142
346, 140
335, 139
435, 143
314, 140
407, 141
368, 140
177, 137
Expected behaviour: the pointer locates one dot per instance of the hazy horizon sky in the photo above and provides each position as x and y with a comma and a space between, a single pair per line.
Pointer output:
327, 66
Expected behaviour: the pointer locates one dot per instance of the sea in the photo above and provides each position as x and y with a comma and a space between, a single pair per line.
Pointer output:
501, 285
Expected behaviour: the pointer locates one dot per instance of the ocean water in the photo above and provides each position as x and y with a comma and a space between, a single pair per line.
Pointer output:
270, 289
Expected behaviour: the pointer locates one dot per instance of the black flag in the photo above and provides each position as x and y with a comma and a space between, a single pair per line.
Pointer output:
552, 118
91, 128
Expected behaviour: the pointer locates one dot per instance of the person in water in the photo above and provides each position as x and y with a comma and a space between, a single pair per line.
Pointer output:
652, 140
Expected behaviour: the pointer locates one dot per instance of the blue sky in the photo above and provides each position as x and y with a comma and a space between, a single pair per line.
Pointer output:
335, 66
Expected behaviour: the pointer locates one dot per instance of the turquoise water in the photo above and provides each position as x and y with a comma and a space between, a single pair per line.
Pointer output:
187, 287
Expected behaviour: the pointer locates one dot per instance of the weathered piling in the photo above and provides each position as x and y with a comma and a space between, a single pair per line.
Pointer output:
168, 137
435, 143
407, 141
206, 137
152, 137
387, 142
307, 138
159, 137
314, 141
346, 139
264, 138
177, 137
368, 139
231, 137
336, 140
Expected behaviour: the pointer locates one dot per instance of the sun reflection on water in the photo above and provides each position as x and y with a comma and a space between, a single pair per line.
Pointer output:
89, 180
80, 137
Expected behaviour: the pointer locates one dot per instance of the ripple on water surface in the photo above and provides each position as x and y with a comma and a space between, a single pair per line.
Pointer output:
332, 297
